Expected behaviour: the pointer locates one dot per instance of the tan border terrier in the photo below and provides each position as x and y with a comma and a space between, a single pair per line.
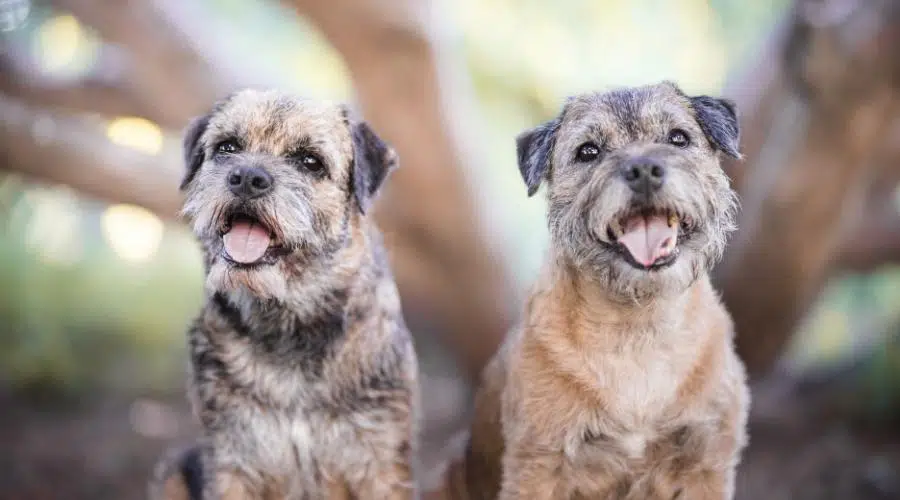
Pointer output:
621, 381
303, 373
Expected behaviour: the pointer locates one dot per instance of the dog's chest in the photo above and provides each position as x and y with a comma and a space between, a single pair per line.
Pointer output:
302, 432
637, 388
636, 425
295, 450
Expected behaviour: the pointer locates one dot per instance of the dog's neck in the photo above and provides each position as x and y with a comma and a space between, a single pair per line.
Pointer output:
594, 314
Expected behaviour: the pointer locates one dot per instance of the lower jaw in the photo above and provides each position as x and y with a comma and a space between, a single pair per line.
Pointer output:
625, 255
658, 265
251, 266
271, 257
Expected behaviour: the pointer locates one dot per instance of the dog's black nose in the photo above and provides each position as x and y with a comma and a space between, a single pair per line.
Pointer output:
644, 176
249, 182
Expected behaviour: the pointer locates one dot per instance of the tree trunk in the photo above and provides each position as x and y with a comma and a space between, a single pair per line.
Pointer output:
815, 128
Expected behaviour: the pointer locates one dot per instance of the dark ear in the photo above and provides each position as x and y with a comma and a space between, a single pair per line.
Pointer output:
373, 159
533, 149
193, 150
718, 119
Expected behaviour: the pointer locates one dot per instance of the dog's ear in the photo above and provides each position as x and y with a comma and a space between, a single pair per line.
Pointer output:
373, 159
533, 150
193, 150
718, 120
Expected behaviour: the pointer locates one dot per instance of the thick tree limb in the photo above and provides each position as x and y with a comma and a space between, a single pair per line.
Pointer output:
167, 75
873, 243
51, 147
102, 91
873, 237
822, 121
395, 62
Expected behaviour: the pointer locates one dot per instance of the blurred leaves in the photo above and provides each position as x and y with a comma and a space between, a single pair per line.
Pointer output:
75, 313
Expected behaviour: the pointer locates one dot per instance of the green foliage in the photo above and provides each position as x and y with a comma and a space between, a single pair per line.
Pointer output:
73, 323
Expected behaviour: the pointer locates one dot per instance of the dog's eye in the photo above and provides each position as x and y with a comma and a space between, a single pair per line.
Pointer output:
228, 147
679, 138
311, 162
587, 152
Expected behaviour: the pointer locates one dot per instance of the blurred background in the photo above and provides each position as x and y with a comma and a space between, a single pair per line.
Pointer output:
98, 277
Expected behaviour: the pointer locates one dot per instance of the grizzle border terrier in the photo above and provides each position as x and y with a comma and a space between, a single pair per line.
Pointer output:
621, 382
303, 374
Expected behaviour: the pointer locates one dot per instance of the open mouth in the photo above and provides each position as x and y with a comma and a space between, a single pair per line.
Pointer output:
247, 241
648, 238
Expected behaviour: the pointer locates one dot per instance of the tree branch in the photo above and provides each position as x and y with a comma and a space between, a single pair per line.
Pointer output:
105, 90
57, 148
873, 237
171, 77
827, 114
399, 71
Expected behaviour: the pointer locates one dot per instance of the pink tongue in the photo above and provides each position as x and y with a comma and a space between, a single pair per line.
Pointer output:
246, 242
648, 238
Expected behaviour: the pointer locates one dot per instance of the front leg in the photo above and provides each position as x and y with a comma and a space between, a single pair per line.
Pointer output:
531, 473
388, 472
707, 485
222, 481
229, 485
708, 461
392, 481
389, 469
178, 475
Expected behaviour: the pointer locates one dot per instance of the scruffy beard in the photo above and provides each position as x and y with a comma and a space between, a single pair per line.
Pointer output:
624, 282
586, 240
268, 282
296, 248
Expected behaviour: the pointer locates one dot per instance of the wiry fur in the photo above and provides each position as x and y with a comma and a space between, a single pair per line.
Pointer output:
583, 201
620, 383
303, 373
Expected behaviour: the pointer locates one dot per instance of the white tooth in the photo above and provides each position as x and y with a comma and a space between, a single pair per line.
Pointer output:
616, 228
673, 219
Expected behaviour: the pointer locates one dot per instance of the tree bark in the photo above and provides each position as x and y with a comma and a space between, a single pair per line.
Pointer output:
394, 53
813, 133
61, 149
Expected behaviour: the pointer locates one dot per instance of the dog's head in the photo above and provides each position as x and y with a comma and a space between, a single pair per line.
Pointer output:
276, 183
637, 196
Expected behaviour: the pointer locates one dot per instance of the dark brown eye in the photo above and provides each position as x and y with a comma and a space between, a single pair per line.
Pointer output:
587, 152
311, 162
679, 138
228, 147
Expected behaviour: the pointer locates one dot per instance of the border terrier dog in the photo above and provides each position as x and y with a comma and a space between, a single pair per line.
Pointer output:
621, 381
303, 373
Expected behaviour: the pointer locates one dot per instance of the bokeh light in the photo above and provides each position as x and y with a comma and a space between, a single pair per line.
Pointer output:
54, 228
132, 232
63, 48
136, 133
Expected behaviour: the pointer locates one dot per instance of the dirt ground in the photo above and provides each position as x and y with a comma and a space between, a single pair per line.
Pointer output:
105, 449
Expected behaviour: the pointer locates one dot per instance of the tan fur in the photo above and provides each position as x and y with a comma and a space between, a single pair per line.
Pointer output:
619, 383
